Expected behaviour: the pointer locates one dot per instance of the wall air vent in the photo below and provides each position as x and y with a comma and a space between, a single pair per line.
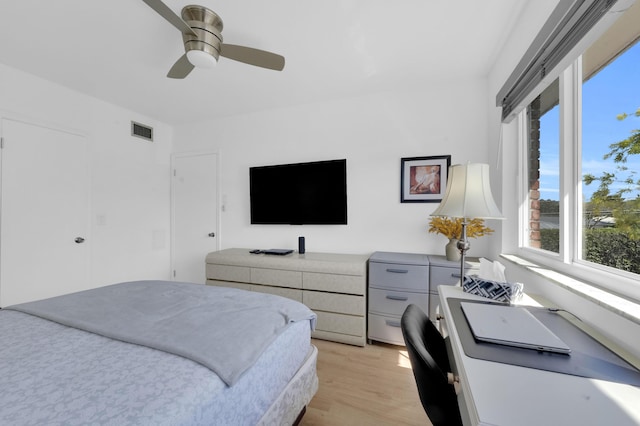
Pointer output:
142, 131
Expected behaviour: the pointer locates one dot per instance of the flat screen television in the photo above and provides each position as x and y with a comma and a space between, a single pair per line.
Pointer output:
299, 194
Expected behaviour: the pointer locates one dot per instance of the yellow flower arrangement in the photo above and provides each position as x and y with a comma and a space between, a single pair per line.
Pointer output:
452, 227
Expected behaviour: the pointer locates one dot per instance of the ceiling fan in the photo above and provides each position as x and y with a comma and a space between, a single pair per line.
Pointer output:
201, 30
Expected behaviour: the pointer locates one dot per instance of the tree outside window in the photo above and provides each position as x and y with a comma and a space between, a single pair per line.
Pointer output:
611, 139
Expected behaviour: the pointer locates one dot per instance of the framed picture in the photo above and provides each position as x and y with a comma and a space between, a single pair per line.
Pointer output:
423, 179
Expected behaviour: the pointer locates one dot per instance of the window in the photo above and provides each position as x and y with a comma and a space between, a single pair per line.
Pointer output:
610, 163
582, 185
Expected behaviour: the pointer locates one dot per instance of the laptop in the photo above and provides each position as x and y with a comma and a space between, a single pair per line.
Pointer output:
511, 326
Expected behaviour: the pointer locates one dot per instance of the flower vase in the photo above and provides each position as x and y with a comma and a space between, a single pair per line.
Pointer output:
451, 250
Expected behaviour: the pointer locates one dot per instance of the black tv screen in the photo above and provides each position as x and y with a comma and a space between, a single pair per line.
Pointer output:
299, 194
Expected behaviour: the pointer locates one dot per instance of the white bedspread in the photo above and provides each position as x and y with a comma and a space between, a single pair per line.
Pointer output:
221, 328
57, 375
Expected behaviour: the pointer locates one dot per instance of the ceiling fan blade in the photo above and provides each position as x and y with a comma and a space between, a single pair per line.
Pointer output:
181, 68
251, 56
168, 14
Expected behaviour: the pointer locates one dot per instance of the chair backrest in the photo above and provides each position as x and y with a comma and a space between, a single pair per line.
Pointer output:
430, 364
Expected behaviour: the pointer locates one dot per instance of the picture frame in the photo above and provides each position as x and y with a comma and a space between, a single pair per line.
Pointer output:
424, 179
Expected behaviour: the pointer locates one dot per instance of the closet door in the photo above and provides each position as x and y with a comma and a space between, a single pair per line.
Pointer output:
194, 210
44, 241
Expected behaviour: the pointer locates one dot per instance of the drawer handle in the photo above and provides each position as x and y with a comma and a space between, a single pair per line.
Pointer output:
401, 298
397, 271
454, 275
392, 323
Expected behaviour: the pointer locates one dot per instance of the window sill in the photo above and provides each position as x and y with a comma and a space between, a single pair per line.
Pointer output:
623, 307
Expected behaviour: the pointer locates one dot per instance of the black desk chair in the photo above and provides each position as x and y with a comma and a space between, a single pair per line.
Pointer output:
430, 364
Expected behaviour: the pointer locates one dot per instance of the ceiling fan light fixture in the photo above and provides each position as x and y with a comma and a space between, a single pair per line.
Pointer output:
201, 59
201, 30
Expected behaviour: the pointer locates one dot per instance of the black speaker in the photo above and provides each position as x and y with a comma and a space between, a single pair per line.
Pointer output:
301, 245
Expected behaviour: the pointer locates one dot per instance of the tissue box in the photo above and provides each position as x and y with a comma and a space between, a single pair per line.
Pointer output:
502, 292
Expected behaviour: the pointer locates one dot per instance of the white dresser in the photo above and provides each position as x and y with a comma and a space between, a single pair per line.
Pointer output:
397, 280
334, 286
445, 272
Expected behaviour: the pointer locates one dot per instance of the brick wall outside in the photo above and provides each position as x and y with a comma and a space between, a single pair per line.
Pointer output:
534, 173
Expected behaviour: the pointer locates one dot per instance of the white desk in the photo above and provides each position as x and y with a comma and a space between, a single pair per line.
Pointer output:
498, 394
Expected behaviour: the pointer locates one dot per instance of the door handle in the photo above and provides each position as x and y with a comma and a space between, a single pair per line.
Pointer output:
211, 234
79, 240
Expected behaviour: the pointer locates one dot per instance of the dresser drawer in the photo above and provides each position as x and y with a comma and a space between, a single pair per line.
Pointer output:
347, 284
276, 277
241, 286
228, 273
385, 329
398, 276
441, 275
289, 293
392, 302
340, 303
339, 323
339, 337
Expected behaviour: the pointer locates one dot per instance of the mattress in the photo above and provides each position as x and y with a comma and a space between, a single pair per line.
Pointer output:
224, 329
54, 374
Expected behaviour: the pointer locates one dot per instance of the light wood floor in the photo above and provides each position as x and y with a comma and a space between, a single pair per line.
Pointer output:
373, 385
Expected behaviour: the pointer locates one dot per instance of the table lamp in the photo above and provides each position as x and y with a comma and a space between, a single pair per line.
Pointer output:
468, 196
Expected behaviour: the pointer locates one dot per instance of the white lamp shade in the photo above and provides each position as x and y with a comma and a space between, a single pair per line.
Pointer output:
201, 59
468, 193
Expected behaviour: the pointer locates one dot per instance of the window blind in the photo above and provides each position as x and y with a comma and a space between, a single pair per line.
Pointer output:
554, 45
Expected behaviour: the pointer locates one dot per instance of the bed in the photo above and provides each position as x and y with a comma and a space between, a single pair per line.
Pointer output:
157, 353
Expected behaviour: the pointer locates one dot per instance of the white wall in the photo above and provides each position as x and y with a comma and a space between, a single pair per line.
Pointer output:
373, 133
130, 184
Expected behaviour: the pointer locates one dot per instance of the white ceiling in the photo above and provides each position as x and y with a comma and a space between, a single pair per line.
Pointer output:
121, 50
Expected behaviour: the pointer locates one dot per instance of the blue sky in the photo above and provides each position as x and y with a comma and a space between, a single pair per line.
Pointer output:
614, 90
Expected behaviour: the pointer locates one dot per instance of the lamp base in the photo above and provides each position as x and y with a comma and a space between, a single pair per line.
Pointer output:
463, 246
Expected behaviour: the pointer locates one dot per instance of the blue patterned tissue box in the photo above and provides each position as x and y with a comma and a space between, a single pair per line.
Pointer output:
502, 292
